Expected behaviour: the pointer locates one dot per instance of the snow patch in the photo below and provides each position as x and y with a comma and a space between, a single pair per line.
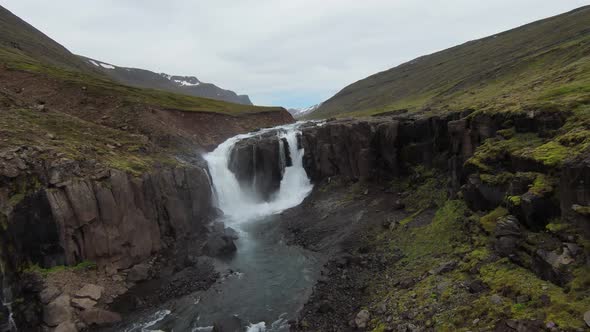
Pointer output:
297, 112
185, 83
107, 66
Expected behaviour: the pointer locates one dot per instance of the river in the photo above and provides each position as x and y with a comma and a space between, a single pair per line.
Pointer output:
270, 280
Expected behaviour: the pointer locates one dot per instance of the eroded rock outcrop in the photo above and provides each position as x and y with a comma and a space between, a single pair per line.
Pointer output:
259, 163
116, 221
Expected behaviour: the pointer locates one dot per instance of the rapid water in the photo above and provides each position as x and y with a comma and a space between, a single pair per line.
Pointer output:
271, 280
240, 204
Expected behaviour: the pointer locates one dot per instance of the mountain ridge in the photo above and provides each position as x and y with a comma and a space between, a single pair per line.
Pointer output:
188, 85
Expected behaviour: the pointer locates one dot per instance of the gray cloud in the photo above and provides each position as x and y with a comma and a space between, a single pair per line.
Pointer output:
290, 53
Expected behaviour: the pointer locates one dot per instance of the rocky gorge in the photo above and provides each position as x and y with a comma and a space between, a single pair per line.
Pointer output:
399, 172
520, 214
455, 198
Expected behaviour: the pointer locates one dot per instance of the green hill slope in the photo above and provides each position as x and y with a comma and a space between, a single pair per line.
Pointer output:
19, 35
547, 61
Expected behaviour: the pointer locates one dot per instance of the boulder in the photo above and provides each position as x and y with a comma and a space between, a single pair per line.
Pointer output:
362, 319
83, 303
139, 272
508, 236
444, 267
220, 241
587, 318
496, 299
58, 311
48, 294
96, 316
91, 291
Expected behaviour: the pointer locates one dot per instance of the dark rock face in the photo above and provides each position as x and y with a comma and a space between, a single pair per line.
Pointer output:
508, 236
113, 219
99, 220
574, 192
258, 164
374, 148
117, 221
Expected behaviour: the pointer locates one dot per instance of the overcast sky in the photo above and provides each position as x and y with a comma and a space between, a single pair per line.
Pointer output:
292, 53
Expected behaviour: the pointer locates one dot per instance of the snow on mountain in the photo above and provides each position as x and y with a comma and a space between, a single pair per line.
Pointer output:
101, 64
300, 112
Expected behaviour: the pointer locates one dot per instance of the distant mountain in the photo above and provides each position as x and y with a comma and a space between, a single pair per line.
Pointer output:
188, 85
300, 112
507, 71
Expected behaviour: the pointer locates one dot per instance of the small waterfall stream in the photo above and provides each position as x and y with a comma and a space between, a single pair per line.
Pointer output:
271, 279
7, 299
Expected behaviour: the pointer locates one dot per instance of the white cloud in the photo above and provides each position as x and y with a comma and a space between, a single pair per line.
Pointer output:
274, 50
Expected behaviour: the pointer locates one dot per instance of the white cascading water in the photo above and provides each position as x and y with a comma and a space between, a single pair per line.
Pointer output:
6, 298
240, 204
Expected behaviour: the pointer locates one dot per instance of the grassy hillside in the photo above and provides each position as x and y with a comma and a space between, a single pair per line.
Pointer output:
22, 47
547, 61
19, 35
17, 60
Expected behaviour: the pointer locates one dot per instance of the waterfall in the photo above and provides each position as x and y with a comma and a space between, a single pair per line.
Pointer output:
240, 203
7, 299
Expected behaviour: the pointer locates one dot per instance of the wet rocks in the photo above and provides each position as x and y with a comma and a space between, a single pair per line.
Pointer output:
220, 241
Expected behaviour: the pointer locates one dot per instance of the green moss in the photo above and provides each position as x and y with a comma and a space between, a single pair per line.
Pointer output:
550, 154
494, 150
15, 199
507, 133
497, 179
542, 185
556, 227
514, 200
565, 309
380, 328
488, 222
580, 209
425, 189
85, 265
475, 258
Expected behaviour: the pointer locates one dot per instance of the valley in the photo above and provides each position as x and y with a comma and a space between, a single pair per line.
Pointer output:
450, 193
